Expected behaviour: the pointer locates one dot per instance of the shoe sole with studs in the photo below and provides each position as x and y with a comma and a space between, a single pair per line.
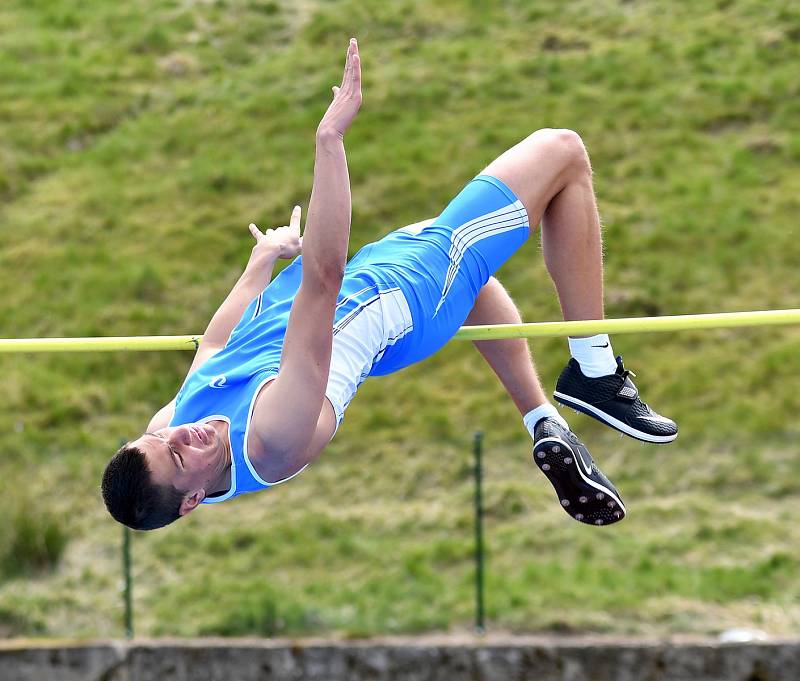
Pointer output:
587, 501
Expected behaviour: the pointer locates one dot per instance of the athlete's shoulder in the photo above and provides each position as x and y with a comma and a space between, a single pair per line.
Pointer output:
163, 417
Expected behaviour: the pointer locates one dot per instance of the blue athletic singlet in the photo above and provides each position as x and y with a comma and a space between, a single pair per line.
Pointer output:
402, 298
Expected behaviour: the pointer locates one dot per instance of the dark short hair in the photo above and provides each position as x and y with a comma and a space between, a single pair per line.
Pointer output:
131, 496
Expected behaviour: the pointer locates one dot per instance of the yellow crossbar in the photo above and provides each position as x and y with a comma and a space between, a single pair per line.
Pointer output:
101, 344
717, 320
720, 320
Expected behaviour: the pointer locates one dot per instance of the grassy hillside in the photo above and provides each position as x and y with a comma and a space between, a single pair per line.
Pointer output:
137, 140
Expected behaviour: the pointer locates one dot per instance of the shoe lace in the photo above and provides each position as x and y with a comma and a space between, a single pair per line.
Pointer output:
627, 372
624, 372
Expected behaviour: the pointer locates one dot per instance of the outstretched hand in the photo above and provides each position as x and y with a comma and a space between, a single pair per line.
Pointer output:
281, 242
346, 97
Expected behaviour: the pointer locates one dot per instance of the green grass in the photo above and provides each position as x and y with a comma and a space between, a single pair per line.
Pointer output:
33, 542
137, 141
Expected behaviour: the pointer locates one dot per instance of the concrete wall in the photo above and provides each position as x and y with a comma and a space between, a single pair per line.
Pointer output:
493, 658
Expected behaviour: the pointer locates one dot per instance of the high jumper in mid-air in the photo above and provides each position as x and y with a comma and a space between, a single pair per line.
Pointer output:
281, 360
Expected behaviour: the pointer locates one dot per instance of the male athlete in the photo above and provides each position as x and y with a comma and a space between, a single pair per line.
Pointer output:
280, 361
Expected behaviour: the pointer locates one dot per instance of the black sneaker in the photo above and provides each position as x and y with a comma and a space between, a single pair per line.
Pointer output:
614, 400
584, 492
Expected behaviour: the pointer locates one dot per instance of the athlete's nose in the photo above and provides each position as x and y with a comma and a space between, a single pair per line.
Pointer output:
180, 435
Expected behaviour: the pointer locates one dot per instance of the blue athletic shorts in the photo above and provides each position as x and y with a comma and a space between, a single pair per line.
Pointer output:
441, 267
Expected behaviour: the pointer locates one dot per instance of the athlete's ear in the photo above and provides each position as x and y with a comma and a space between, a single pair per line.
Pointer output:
191, 501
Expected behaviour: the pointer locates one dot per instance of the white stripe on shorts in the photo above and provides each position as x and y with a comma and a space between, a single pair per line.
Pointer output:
360, 338
503, 219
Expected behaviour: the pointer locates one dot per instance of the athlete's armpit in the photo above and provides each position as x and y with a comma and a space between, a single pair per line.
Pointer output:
205, 352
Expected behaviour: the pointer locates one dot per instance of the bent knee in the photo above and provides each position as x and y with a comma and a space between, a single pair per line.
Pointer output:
564, 146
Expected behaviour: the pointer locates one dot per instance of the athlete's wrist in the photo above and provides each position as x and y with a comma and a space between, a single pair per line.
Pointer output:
264, 256
257, 275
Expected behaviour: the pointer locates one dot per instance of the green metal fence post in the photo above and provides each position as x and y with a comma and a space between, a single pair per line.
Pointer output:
479, 625
128, 588
127, 580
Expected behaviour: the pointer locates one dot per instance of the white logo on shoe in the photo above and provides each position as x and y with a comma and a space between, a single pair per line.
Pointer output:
588, 467
218, 381
656, 419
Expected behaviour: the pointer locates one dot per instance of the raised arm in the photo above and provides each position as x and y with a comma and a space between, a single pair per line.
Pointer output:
286, 415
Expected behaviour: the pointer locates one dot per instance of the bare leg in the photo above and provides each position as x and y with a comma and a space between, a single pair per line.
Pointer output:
509, 358
550, 172
573, 250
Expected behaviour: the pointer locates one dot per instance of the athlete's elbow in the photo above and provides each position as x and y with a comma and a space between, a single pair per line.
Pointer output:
333, 274
325, 277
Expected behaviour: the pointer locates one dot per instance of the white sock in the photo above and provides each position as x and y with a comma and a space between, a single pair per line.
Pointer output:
594, 354
546, 410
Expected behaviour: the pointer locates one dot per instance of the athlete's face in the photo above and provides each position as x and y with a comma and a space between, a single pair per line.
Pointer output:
191, 457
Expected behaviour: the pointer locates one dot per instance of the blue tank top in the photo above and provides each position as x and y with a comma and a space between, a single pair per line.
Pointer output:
224, 387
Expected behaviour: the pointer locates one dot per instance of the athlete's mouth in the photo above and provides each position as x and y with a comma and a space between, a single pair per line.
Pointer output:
200, 434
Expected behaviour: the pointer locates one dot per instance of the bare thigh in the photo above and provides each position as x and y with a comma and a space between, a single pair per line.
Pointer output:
539, 167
